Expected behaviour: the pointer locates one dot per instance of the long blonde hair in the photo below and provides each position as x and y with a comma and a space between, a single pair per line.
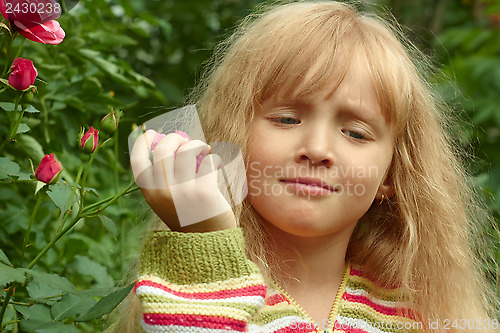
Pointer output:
424, 239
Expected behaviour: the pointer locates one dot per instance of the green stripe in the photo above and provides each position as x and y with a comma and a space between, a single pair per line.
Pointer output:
378, 292
270, 313
165, 301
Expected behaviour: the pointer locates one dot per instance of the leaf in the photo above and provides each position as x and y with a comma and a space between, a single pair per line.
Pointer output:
4, 259
42, 292
31, 109
8, 168
60, 195
106, 304
56, 281
23, 128
71, 305
37, 324
9, 274
109, 224
39, 186
30, 146
85, 266
8, 106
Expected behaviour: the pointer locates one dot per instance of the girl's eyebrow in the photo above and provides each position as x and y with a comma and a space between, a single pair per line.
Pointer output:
374, 117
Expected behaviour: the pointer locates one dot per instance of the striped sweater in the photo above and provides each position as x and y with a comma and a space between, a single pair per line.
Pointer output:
204, 283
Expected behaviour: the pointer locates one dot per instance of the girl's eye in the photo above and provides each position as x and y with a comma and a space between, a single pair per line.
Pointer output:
355, 135
285, 120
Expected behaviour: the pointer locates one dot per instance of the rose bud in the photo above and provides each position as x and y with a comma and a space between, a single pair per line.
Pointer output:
23, 74
89, 140
109, 123
49, 170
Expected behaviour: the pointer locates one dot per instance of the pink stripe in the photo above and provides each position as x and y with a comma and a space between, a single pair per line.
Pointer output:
377, 307
348, 329
357, 272
213, 322
275, 299
257, 290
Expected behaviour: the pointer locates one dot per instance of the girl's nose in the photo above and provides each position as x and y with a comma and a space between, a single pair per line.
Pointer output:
316, 147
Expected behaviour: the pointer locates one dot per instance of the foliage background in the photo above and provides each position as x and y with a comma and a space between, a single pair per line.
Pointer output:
142, 57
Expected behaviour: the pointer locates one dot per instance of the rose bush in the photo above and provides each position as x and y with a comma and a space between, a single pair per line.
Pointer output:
23, 74
49, 170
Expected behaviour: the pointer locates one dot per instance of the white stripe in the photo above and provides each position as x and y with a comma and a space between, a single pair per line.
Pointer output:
343, 322
362, 292
279, 324
148, 290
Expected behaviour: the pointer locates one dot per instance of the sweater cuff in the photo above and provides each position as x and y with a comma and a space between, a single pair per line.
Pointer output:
192, 258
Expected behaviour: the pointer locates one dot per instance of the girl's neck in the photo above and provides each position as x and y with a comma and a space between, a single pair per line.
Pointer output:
309, 262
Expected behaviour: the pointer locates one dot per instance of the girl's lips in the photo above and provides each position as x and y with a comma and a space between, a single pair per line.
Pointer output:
311, 183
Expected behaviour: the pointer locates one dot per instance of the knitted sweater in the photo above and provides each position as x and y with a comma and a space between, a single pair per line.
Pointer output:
204, 283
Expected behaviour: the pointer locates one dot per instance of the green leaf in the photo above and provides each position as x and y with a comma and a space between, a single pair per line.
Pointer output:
109, 224
30, 146
9, 274
60, 195
9, 106
85, 266
31, 109
37, 324
23, 128
8, 168
71, 305
42, 292
4, 259
56, 281
106, 304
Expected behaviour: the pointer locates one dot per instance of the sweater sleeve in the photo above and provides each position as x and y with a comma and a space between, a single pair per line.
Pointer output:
198, 282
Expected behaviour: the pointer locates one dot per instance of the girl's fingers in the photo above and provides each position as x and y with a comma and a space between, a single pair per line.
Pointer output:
164, 160
210, 163
140, 162
185, 162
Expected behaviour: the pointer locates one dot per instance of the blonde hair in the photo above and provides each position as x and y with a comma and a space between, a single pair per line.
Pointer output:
424, 239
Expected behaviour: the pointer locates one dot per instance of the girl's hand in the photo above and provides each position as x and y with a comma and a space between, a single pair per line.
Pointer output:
186, 200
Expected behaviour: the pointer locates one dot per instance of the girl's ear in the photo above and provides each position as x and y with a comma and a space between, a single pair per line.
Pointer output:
385, 189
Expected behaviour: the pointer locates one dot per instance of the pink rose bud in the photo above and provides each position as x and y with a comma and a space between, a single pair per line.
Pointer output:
157, 140
199, 158
23, 74
160, 136
89, 140
109, 123
49, 170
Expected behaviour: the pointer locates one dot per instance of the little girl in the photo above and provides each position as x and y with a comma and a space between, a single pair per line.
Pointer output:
358, 214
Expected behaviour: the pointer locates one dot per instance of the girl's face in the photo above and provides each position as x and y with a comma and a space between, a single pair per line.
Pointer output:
317, 164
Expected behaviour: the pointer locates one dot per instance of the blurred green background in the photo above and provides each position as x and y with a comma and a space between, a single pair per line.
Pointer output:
142, 57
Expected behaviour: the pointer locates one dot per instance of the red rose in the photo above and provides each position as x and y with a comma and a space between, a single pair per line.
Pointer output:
49, 169
23, 74
35, 20
47, 33
30, 13
89, 140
